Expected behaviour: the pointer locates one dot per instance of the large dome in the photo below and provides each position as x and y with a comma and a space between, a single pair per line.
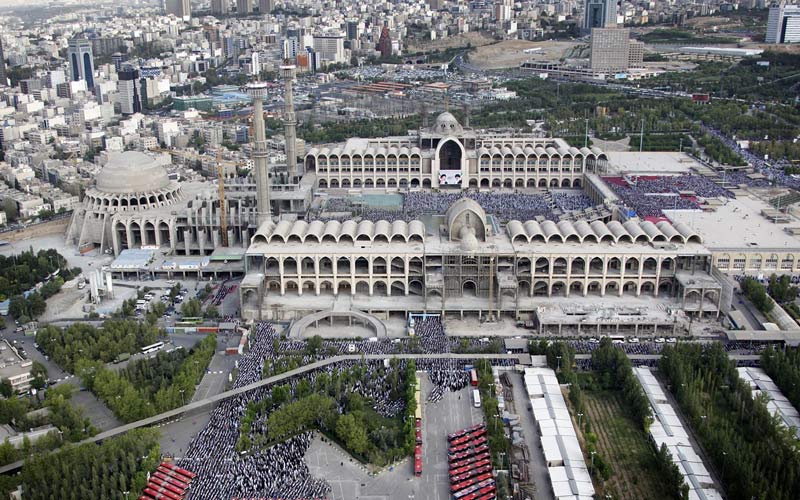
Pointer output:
446, 123
131, 172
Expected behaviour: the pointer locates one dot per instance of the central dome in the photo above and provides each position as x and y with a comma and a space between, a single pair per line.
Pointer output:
131, 172
446, 123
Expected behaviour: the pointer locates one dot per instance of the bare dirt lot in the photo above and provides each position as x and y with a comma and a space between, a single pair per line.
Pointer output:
474, 38
511, 53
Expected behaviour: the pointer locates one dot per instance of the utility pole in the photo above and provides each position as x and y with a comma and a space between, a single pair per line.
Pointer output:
586, 135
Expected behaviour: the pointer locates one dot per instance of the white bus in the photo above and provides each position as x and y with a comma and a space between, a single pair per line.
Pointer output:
476, 398
152, 348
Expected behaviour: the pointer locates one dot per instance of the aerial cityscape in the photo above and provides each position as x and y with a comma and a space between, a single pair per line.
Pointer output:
421, 249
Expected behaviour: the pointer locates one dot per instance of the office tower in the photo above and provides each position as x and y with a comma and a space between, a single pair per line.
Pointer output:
3, 76
385, 43
290, 121
244, 6
130, 99
178, 8
330, 47
783, 24
352, 30
81, 61
265, 6
600, 14
257, 92
610, 50
220, 6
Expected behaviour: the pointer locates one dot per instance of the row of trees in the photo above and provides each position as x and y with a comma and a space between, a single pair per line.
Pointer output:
755, 456
615, 372
757, 294
82, 341
149, 386
116, 469
784, 369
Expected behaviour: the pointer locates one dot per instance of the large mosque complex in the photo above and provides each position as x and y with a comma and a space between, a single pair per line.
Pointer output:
602, 268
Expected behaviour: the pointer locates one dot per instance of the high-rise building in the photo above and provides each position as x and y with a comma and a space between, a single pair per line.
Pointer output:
244, 6
600, 14
130, 99
81, 61
783, 24
3, 76
610, 50
330, 48
220, 6
265, 6
352, 29
178, 8
385, 43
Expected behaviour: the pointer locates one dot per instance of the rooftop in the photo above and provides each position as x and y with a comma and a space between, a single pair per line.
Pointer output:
737, 225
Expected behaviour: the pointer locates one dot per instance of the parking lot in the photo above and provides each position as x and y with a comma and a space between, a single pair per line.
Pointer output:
349, 479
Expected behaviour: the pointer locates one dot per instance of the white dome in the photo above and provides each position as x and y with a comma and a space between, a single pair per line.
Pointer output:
446, 123
131, 172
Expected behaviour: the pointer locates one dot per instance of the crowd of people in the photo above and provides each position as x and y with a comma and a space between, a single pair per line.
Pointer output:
279, 471
504, 205
772, 171
571, 201
649, 196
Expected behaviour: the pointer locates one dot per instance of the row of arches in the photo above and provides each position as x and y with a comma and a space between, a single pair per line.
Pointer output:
598, 288
483, 182
366, 231
594, 266
599, 232
109, 202
135, 234
327, 266
389, 288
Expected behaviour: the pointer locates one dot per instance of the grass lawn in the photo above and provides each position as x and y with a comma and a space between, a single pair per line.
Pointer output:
625, 446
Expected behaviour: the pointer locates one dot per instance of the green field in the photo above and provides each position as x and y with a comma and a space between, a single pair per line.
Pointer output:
625, 446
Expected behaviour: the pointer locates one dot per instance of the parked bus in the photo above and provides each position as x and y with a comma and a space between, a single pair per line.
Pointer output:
418, 460
473, 377
462, 432
476, 398
152, 347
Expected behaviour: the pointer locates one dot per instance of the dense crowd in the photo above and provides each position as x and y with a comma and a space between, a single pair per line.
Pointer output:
650, 196
504, 205
772, 171
571, 201
280, 471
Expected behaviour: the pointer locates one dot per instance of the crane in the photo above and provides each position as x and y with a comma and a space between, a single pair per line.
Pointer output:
223, 216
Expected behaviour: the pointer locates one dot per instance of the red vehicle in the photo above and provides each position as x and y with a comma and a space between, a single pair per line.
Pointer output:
469, 460
462, 432
473, 377
470, 472
165, 485
469, 482
473, 488
475, 442
487, 493
469, 453
419, 435
172, 473
179, 470
171, 480
465, 468
160, 495
418, 461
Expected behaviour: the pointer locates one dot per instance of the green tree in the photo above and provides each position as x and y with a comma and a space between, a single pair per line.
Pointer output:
192, 308
5, 388
352, 433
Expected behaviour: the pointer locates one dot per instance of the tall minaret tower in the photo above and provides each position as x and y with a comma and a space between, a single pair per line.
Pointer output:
290, 123
257, 90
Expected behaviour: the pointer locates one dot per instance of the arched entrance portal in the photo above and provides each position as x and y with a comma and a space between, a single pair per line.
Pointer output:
450, 163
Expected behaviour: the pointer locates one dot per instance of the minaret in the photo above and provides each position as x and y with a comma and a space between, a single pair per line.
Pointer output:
257, 90
290, 123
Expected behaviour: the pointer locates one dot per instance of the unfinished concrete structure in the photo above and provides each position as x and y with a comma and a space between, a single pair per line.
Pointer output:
464, 261
448, 155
